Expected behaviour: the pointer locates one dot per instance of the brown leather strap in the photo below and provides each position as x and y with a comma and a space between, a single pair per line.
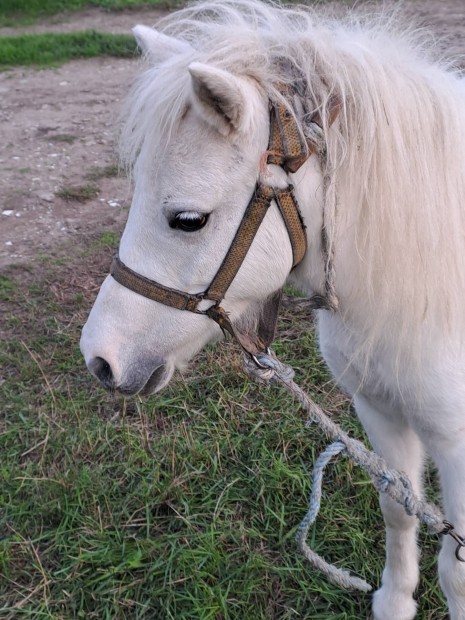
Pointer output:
288, 206
151, 289
241, 243
287, 147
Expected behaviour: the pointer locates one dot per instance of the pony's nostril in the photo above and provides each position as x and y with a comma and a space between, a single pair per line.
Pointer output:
101, 369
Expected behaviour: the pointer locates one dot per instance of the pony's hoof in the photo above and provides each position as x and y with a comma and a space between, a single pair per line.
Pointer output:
392, 605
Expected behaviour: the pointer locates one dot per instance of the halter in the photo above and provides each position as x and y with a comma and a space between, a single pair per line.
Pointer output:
290, 151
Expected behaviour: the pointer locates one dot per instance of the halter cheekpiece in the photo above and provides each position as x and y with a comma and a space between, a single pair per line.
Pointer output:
287, 148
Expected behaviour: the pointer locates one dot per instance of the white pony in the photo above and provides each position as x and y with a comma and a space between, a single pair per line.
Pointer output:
388, 191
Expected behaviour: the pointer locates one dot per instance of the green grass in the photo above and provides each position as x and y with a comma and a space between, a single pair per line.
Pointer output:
65, 138
78, 193
20, 12
179, 506
101, 172
51, 49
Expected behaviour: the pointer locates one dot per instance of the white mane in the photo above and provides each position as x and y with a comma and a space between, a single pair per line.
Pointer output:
396, 155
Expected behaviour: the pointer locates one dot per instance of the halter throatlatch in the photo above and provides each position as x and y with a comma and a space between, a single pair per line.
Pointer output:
288, 149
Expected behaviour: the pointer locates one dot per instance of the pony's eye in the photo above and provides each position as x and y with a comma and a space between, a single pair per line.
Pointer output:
189, 221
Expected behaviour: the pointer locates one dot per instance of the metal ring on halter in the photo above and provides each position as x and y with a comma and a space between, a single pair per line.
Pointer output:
449, 529
257, 361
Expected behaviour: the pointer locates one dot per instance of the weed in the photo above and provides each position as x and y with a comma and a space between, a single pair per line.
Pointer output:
78, 193
67, 138
109, 239
102, 172
7, 288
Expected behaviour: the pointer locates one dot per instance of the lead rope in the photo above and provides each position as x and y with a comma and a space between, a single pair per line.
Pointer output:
268, 369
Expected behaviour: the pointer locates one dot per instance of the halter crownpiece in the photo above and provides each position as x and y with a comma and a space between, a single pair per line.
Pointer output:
288, 149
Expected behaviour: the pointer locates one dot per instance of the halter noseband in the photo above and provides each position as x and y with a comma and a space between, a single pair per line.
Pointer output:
287, 149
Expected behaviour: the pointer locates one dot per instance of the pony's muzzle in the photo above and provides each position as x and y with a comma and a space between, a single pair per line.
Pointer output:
143, 378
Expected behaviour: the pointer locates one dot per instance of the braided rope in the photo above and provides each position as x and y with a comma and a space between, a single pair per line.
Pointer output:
338, 576
390, 481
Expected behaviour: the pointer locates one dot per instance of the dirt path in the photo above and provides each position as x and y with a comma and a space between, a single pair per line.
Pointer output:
58, 130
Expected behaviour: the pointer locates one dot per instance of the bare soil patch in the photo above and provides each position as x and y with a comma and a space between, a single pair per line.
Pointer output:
58, 129
117, 22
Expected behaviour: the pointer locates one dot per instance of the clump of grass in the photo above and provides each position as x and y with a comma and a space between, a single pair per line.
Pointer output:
67, 138
109, 239
78, 193
52, 48
102, 172
7, 288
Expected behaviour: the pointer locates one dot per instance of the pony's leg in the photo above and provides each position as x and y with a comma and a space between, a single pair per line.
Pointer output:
394, 440
449, 456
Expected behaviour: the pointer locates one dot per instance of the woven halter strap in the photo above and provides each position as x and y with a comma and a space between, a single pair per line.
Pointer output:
287, 148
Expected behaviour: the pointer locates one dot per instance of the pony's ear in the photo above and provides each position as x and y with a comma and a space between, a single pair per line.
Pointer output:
158, 46
220, 96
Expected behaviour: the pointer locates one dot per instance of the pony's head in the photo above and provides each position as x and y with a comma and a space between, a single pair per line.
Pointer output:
196, 128
197, 133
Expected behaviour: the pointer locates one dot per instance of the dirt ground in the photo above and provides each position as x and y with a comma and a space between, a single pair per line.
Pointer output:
58, 129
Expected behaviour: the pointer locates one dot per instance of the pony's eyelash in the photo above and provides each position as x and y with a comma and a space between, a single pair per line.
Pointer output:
189, 221
189, 215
